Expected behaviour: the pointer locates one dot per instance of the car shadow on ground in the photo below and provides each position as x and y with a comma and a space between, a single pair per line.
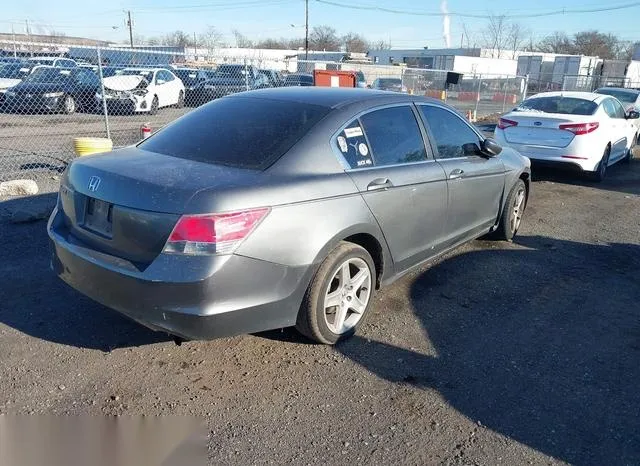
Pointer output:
35, 302
539, 344
621, 177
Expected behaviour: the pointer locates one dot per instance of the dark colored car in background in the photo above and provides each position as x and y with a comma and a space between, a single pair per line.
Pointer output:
229, 79
192, 78
13, 73
298, 79
49, 89
275, 77
388, 84
107, 71
280, 207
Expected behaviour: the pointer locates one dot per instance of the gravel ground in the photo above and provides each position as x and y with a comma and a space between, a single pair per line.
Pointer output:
502, 353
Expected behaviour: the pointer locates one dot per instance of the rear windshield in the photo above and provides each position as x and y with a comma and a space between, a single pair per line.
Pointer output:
558, 104
238, 132
623, 96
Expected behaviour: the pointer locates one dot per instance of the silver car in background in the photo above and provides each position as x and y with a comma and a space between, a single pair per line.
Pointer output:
280, 207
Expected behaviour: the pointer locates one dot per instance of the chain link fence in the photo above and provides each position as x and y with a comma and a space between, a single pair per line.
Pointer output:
52, 94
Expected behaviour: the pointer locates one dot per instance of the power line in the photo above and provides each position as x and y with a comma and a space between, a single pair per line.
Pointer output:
217, 7
564, 11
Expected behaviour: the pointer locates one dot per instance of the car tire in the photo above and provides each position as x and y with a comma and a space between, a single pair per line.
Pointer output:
601, 170
180, 102
69, 105
155, 104
630, 154
514, 208
328, 324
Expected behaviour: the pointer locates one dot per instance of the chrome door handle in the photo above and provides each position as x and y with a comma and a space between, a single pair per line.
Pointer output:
379, 183
455, 174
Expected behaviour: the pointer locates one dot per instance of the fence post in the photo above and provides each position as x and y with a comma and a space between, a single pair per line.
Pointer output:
246, 75
104, 98
504, 93
526, 88
475, 111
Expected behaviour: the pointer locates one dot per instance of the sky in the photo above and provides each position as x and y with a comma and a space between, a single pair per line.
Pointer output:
259, 19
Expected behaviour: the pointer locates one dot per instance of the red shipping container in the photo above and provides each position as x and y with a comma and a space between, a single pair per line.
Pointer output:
334, 78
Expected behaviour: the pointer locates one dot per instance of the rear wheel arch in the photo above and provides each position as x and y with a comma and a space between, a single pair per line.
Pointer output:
374, 248
366, 237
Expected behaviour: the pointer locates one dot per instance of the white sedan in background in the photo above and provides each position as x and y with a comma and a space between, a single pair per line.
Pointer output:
573, 129
135, 90
629, 98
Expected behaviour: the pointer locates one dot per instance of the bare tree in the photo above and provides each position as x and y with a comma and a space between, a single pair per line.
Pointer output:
496, 36
517, 38
176, 39
355, 43
558, 42
324, 38
380, 45
242, 41
596, 44
210, 38
272, 44
467, 36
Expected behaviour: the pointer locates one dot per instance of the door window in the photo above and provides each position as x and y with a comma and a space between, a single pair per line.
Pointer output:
618, 110
394, 136
609, 108
453, 136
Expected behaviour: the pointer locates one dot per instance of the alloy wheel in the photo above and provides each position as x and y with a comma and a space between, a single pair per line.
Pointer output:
518, 210
347, 295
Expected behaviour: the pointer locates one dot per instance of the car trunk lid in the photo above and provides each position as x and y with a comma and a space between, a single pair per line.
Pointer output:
126, 203
540, 129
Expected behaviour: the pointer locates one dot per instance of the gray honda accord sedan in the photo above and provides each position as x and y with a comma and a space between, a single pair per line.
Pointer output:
280, 207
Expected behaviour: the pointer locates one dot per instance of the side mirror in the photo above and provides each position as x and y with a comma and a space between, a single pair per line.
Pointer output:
490, 147
633, 115
159, 82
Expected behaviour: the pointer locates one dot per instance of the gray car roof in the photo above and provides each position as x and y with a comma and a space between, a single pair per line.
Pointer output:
327, 96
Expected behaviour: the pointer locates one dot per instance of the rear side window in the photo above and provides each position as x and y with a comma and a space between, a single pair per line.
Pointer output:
394, 136
558, 104
237, 132
353, 146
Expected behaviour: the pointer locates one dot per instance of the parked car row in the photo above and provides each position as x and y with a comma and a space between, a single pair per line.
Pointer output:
54, 84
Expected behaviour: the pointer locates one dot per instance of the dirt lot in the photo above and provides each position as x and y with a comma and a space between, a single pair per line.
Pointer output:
503, 353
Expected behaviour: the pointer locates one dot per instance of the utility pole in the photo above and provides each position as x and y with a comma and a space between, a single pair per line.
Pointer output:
13, 38
306, 29
130, 26
195, 47
26, 21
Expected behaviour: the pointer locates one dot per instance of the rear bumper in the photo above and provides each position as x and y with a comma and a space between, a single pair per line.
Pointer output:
573, 156
194, 298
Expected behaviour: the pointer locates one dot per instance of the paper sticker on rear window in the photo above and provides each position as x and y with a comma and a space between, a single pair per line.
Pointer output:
353, 132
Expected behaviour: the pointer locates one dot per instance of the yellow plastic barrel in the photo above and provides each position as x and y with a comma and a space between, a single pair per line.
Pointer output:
88, 146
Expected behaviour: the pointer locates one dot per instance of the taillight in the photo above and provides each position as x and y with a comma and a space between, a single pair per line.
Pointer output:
580, 128
213, 233
503, 123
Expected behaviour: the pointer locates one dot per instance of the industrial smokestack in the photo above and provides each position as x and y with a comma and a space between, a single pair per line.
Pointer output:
446, 23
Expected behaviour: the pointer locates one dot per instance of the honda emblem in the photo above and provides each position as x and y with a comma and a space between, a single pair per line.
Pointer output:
94, 183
